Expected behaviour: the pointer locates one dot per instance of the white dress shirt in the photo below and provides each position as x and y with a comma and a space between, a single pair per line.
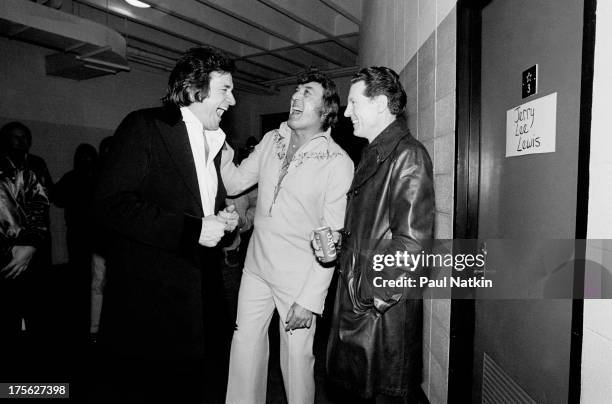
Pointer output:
205, 168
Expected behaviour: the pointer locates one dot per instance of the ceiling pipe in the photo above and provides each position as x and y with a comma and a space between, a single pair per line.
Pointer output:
56, 4
161, 60
332, 73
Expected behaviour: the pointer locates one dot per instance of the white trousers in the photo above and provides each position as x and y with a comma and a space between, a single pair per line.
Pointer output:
248, 369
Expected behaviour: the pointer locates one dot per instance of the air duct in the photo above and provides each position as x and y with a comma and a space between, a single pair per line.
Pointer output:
56, 4
87, 49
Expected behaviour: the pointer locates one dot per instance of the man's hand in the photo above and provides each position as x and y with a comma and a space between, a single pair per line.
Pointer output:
316, 246
298, 317
22, 254
230, 216
213, 228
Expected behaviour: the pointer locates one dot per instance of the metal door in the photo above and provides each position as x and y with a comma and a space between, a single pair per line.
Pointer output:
522, 346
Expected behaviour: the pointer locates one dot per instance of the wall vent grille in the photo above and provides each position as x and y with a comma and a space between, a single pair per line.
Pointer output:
499, 388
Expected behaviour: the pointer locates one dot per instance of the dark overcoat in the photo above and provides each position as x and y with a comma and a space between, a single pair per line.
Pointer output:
162, 298
376, 335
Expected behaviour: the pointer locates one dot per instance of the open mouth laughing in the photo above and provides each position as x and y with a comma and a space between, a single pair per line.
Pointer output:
296, 110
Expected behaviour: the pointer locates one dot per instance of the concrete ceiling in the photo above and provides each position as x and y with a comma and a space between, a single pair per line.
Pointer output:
272, 40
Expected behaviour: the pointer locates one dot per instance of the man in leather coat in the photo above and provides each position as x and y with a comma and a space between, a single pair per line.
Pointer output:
374, 347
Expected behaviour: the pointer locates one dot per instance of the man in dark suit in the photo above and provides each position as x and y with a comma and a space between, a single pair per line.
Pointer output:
160, 197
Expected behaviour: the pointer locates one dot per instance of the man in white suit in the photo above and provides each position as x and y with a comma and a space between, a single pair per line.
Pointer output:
303, 178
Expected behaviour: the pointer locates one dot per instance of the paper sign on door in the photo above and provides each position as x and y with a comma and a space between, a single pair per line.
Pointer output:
532, 127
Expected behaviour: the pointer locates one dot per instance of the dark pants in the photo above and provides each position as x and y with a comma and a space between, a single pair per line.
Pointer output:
78, 281
134, 381
29, 354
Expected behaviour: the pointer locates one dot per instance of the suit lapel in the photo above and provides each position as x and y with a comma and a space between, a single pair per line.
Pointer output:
176, 139
365, 170
221, 192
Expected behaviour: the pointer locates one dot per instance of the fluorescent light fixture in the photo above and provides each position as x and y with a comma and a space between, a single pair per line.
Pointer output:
137, 3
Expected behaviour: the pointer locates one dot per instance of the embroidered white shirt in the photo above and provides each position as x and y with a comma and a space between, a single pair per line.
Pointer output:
311, 194
205, 168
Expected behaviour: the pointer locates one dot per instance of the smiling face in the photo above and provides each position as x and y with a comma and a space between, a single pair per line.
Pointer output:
363, 112
306, 113
210, 110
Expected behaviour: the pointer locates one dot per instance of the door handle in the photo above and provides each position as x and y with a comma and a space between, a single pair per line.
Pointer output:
482, 250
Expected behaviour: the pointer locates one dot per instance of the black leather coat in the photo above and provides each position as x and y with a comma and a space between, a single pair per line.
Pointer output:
375, 345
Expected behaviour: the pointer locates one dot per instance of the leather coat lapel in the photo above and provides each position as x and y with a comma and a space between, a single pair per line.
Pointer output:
365, 170
174, 135
377, 152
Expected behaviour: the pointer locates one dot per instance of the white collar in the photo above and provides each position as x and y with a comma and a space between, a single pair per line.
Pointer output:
285, 130
191, 120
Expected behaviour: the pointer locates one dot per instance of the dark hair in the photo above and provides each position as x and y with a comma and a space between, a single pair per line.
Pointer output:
85, 150
331, 100
380, 80
192, 72
8, 129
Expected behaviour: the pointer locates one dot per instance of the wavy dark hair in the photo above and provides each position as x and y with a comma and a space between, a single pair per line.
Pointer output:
380, 80
331, 100
192, 73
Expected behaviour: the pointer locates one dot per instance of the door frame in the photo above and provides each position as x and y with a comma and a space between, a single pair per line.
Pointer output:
466, 196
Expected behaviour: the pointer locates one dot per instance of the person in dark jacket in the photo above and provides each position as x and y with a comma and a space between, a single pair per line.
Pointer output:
16, 140
98, 260
160, 198
374, 347
74, 193
24, 233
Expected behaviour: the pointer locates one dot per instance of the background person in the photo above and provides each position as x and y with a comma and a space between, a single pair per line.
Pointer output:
98, 259
24, 234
